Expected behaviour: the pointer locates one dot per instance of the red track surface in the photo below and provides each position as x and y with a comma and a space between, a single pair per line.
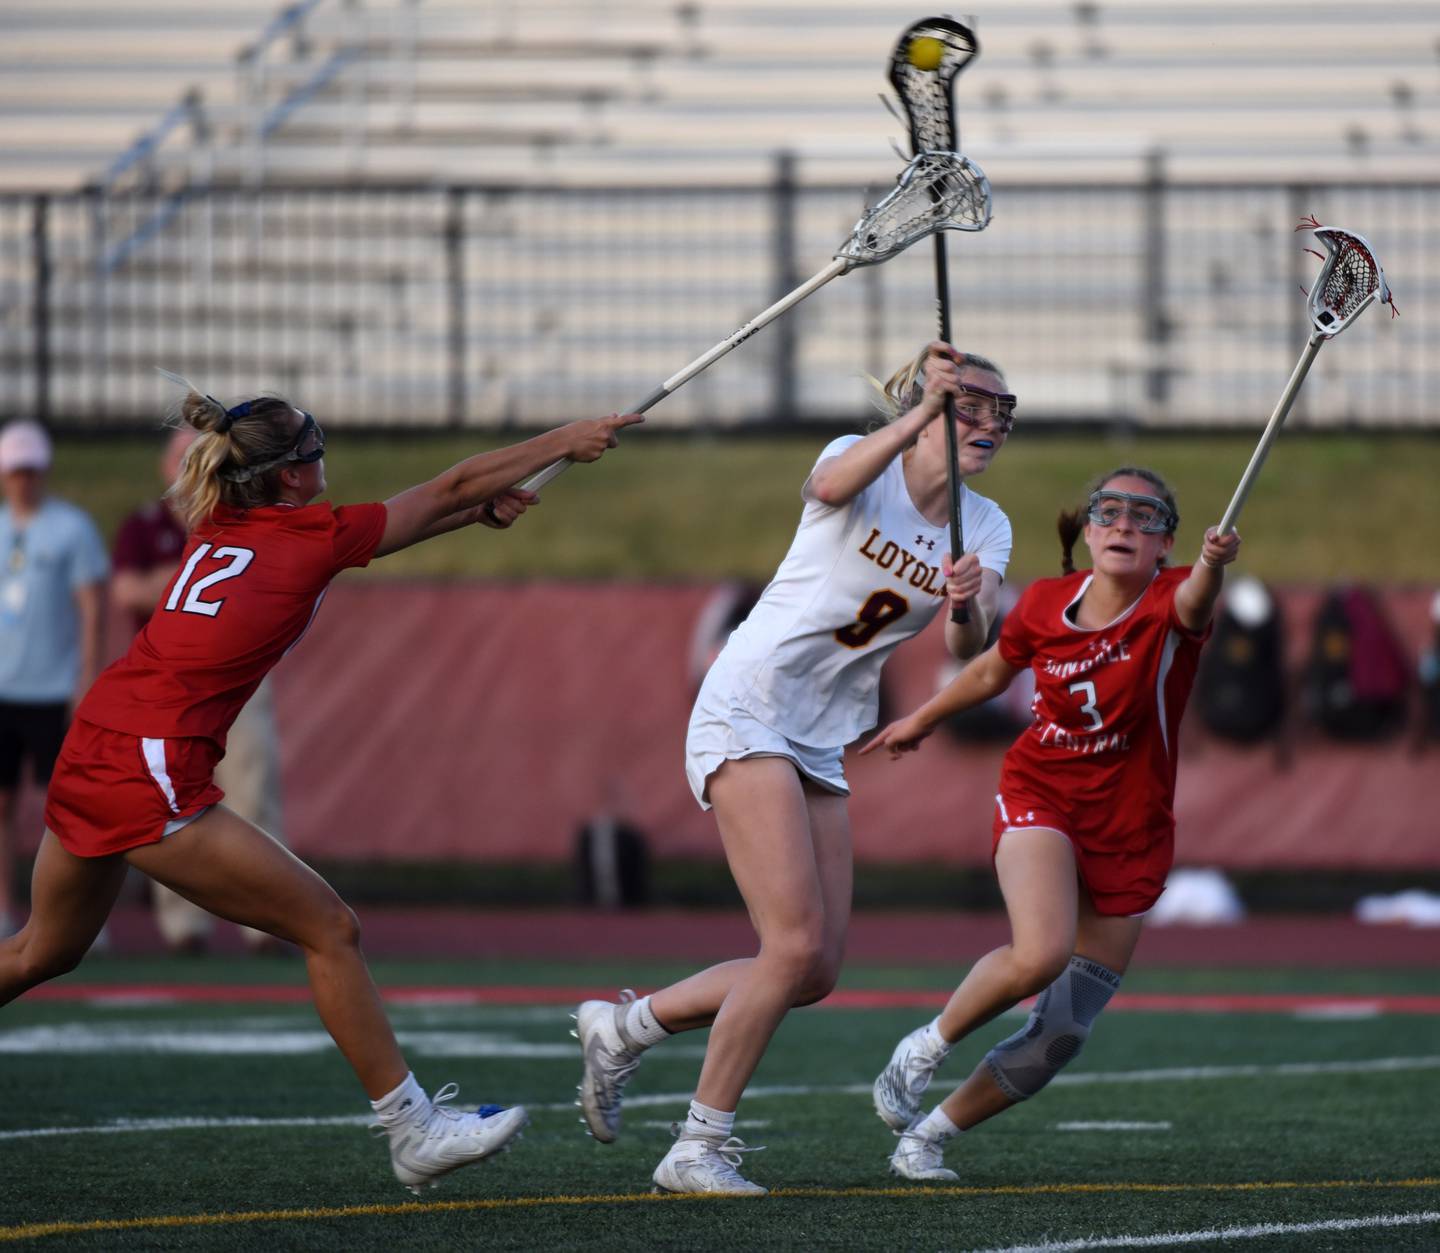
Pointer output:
950, 940
851, 998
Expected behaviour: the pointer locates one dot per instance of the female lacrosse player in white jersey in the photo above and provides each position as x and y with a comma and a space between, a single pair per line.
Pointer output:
797, 681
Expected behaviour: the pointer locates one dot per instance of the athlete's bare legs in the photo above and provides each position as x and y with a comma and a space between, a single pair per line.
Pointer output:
1108, 940
232, 869
1036, 869
70, 898
788, 845
696, 1000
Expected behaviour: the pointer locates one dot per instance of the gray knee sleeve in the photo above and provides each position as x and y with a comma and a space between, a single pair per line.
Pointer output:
1056, 1031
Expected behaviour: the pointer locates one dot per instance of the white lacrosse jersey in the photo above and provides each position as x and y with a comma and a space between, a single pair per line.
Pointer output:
858, 580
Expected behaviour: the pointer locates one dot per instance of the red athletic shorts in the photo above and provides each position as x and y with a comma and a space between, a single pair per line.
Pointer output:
112, 791
1123, 876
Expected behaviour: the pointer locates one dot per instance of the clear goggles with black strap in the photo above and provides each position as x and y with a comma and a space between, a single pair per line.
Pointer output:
309, 446
975, 406
1150, 514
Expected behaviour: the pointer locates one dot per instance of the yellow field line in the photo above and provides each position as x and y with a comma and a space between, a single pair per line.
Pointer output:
32, 1231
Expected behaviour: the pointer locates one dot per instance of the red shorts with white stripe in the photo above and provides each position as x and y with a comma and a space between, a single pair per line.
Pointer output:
1123, 874
112, 791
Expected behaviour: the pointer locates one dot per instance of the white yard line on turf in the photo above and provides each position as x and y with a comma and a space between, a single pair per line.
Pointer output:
1216, 1234
1112, 1126
1378, 1065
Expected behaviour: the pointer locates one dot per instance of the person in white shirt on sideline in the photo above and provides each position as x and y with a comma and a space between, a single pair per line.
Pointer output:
52, 571
798, 680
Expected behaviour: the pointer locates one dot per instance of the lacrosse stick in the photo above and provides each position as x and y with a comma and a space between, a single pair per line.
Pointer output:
927, 58
938, 191
1349, 282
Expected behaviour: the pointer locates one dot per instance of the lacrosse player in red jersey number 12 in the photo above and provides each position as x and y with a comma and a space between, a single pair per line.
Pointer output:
134, 786
795, 683
1084, 822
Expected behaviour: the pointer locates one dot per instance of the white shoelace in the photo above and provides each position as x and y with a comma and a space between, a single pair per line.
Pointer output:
732, 1149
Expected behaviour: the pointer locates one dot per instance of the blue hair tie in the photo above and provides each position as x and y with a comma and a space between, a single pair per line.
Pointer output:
241, 410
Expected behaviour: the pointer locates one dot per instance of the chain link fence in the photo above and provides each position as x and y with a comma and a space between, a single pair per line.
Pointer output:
1151, 304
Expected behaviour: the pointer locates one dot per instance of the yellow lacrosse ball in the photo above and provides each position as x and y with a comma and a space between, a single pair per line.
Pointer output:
925, 52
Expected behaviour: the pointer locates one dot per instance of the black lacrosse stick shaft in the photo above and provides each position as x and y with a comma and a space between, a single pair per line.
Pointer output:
960, 615
928, 98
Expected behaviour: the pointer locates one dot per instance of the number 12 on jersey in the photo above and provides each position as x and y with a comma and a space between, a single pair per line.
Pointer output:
239, 558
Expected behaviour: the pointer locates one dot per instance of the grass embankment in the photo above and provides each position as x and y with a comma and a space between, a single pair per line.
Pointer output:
1327, 507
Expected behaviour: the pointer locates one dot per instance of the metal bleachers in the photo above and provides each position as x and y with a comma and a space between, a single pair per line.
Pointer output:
414, 210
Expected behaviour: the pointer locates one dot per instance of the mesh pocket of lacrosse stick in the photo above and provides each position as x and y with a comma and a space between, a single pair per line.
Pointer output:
1349, 281
939, 191
925, 89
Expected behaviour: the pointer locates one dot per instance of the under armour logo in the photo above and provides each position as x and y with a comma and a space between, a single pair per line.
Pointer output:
929, 543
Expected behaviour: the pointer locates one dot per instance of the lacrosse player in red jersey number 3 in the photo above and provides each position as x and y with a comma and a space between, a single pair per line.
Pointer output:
133, 785
796, 682
1084, 823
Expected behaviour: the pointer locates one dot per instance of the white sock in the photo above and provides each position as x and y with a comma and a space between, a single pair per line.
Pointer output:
705, 1123
938, 1045
403, 1103
936, 1126
642, 1026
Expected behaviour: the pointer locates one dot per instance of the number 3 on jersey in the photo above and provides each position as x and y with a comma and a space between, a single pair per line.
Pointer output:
879, 611
239, 559
1085, 691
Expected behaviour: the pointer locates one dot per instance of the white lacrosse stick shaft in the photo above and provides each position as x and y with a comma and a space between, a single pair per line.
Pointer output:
1332, 309
836, 268
1272, 429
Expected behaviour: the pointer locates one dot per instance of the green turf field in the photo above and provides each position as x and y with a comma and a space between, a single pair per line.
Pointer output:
238, 1127
664, 507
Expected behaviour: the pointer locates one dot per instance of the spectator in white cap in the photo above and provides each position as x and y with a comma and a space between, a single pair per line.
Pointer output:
52, 569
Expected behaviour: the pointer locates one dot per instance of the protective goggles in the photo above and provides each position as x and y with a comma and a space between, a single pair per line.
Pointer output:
1150, 514
975, 406
309, 446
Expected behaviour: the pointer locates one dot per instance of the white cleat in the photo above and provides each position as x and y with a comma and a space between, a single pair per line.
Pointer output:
920, 1158
901, 1086
707, 1167
610, 1058
425, 1148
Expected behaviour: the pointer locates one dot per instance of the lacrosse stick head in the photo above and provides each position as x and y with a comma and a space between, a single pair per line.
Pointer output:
938, 191
1349, 282
927, 57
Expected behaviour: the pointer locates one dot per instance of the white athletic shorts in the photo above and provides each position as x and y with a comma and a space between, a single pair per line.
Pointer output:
722, 730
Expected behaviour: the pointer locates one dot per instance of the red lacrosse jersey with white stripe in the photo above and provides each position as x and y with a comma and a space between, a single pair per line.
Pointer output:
249, 584
1108, 702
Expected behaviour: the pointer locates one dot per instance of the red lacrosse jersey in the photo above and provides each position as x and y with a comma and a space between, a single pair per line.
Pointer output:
1103, 744
250, 582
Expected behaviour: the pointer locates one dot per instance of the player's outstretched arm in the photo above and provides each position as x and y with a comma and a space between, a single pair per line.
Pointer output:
836, 481
1195, 598
988, 675
453, 499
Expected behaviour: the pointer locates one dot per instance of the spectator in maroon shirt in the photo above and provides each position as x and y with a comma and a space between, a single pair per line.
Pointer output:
147, 549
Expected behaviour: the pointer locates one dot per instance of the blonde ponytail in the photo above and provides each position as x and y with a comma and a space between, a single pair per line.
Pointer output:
230, 439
